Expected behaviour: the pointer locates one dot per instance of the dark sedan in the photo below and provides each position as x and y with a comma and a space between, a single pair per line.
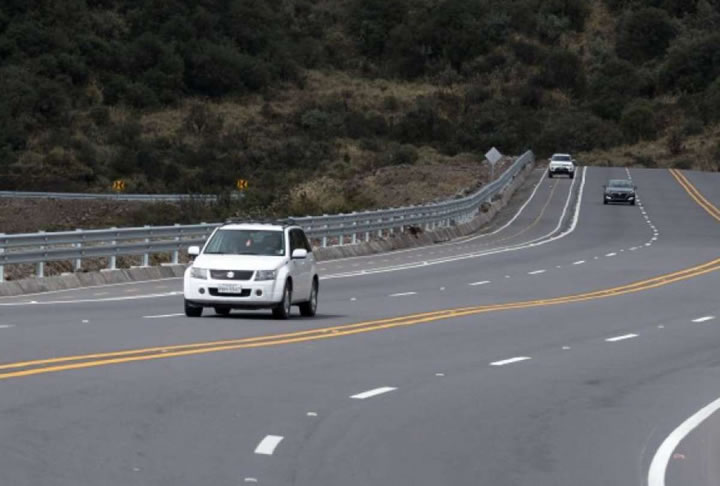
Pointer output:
619, 191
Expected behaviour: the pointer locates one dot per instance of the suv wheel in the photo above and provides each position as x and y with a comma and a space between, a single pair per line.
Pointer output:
309, 308
282, 310
192, 311
572, 175
550, 175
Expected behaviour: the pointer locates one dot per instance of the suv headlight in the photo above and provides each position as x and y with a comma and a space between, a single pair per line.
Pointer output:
266, 275
200, 273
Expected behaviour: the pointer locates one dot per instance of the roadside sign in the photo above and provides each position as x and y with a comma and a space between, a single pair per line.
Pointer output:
493, 156
118, 185
241, 184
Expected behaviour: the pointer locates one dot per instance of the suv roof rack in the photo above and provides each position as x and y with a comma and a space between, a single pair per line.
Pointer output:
277, 222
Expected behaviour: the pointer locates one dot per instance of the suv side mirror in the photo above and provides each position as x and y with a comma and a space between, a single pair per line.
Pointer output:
194, 251
299, 253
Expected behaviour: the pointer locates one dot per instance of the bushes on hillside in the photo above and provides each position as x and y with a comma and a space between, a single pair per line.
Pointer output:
638, 121
644, 34
692, 65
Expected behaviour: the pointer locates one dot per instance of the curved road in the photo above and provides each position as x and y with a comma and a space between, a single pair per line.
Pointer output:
562, 346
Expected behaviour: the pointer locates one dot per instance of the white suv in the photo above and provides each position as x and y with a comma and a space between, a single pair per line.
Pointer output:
561, 164
252, 266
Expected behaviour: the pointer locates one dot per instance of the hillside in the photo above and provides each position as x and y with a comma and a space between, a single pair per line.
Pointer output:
311, 98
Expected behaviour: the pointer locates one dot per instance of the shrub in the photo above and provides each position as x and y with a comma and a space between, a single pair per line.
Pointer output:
216, 70
576, 131
644, 34
692, 66
675, 143
638, 121
612, 87
563, 70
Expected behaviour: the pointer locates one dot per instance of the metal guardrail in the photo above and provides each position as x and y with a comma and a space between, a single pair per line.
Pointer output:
83, 196
39, 248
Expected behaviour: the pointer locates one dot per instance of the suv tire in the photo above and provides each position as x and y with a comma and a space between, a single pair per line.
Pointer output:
572, 175
192, 310
550, 175
282, 310
309, 308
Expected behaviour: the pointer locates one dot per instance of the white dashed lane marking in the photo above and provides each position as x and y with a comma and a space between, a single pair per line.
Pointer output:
267, 446
611, 254
505, 362
403, 294
579, 262
475, 284
373, 393
704, 319
537, 272
621, 338
6, 326
163, 316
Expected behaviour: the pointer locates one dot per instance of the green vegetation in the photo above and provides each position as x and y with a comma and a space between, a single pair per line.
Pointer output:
187, 96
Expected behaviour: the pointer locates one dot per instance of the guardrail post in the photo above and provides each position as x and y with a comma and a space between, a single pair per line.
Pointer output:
341, 239
367, 233
112, 264
354, 235
390, 223
2, 268
176, 253
380, 230
40, 266
78, 261
146, 256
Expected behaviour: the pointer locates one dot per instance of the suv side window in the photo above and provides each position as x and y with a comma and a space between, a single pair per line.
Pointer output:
295, 242
306, 242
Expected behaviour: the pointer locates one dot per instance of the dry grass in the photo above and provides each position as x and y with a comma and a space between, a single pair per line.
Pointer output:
360, 94
700, 152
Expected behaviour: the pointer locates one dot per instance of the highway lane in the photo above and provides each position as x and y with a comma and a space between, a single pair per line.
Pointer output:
582, 256
271, 390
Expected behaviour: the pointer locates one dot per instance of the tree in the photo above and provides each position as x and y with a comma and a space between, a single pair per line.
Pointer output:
644, 35
638, 121
692, 66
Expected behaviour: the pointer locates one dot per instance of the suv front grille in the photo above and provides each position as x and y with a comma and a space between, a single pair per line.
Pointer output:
231, 274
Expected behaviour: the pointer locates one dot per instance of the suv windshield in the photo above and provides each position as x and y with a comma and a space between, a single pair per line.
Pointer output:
561, 158
619, 183
247, 242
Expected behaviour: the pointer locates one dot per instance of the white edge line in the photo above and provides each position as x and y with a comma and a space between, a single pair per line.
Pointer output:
92, 287
87, 301
542, 240
373, 393
162, 316
267, 446
510, 361
659, 464
621, 338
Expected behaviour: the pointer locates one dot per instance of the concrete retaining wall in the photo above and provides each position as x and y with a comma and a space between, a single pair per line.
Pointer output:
139, 274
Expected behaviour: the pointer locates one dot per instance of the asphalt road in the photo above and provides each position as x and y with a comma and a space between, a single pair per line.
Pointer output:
567, 344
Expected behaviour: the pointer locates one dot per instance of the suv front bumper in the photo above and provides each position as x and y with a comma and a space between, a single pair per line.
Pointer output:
254, 294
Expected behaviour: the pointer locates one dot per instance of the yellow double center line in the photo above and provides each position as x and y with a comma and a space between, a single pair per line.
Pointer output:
695, 194
50, 365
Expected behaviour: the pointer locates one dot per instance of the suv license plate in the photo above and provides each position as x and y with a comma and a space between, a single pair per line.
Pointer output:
229, 289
